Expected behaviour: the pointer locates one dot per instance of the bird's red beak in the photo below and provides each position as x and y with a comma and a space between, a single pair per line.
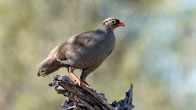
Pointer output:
121, 24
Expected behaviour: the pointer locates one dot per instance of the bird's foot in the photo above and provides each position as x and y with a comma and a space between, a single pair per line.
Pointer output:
86, 84
76, 79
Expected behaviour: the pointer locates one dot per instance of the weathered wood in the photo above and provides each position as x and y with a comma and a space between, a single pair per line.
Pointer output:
81, 97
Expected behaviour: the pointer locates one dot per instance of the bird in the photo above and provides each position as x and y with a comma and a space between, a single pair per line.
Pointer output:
85, 51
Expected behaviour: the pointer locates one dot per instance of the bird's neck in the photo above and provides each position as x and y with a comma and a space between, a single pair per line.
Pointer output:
104, 29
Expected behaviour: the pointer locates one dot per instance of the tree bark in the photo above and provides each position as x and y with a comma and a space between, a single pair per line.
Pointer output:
81, 97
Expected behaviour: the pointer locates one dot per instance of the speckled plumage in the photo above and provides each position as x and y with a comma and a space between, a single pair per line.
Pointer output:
85, 51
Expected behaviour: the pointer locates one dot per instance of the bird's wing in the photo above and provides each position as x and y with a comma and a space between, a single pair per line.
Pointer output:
79, 41
73, 43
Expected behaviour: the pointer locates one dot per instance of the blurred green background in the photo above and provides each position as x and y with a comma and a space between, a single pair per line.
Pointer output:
156, 51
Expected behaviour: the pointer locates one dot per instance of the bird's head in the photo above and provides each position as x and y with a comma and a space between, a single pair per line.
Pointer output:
112, 23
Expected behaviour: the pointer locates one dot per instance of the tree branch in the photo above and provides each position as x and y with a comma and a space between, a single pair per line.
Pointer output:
82, 98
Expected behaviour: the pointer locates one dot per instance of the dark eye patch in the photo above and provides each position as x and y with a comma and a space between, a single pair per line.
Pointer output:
117, 21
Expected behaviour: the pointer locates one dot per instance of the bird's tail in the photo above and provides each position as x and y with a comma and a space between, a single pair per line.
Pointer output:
49, 65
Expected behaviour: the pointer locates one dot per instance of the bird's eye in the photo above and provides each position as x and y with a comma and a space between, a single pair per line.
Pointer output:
113, 21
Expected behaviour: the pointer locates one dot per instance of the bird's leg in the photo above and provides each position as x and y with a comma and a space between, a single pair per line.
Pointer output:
85, 73
79, 81
70, 70
86, 84
82, 81
75, 78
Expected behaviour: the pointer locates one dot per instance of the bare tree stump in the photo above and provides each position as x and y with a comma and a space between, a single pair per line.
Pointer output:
82, 98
